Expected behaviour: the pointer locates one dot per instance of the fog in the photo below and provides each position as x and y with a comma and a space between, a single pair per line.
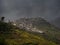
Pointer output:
15, 9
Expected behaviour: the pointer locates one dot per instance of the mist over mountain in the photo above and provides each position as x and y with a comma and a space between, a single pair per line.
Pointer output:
14, 9
56, 22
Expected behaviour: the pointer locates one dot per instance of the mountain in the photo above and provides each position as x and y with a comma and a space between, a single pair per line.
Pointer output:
12, 35
38, 25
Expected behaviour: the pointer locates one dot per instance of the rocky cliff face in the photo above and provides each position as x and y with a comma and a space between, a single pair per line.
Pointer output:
33, 22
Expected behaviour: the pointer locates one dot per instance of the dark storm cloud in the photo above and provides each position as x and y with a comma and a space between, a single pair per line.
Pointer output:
25, 7
48, 8
0, 7
13, 9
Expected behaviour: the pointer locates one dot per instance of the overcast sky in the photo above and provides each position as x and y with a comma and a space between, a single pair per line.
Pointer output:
14, 9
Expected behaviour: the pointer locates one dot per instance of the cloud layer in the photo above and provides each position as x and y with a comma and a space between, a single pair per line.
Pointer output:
14, 9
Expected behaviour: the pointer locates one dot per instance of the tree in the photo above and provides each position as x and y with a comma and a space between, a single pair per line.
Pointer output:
2, 19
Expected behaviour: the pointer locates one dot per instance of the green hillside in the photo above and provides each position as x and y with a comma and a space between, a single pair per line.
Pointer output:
11, 35
52, 33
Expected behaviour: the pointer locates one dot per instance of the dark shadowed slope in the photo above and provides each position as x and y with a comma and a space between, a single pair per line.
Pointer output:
10, 35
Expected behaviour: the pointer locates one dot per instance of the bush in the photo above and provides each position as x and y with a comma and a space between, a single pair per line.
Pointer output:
2, 41
30, 44
5, 26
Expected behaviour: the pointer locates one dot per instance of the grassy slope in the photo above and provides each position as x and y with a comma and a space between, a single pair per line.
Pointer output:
14, 36
52, 32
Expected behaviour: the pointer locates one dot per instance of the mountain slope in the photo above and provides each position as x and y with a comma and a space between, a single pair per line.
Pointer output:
16, 36
51, 32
